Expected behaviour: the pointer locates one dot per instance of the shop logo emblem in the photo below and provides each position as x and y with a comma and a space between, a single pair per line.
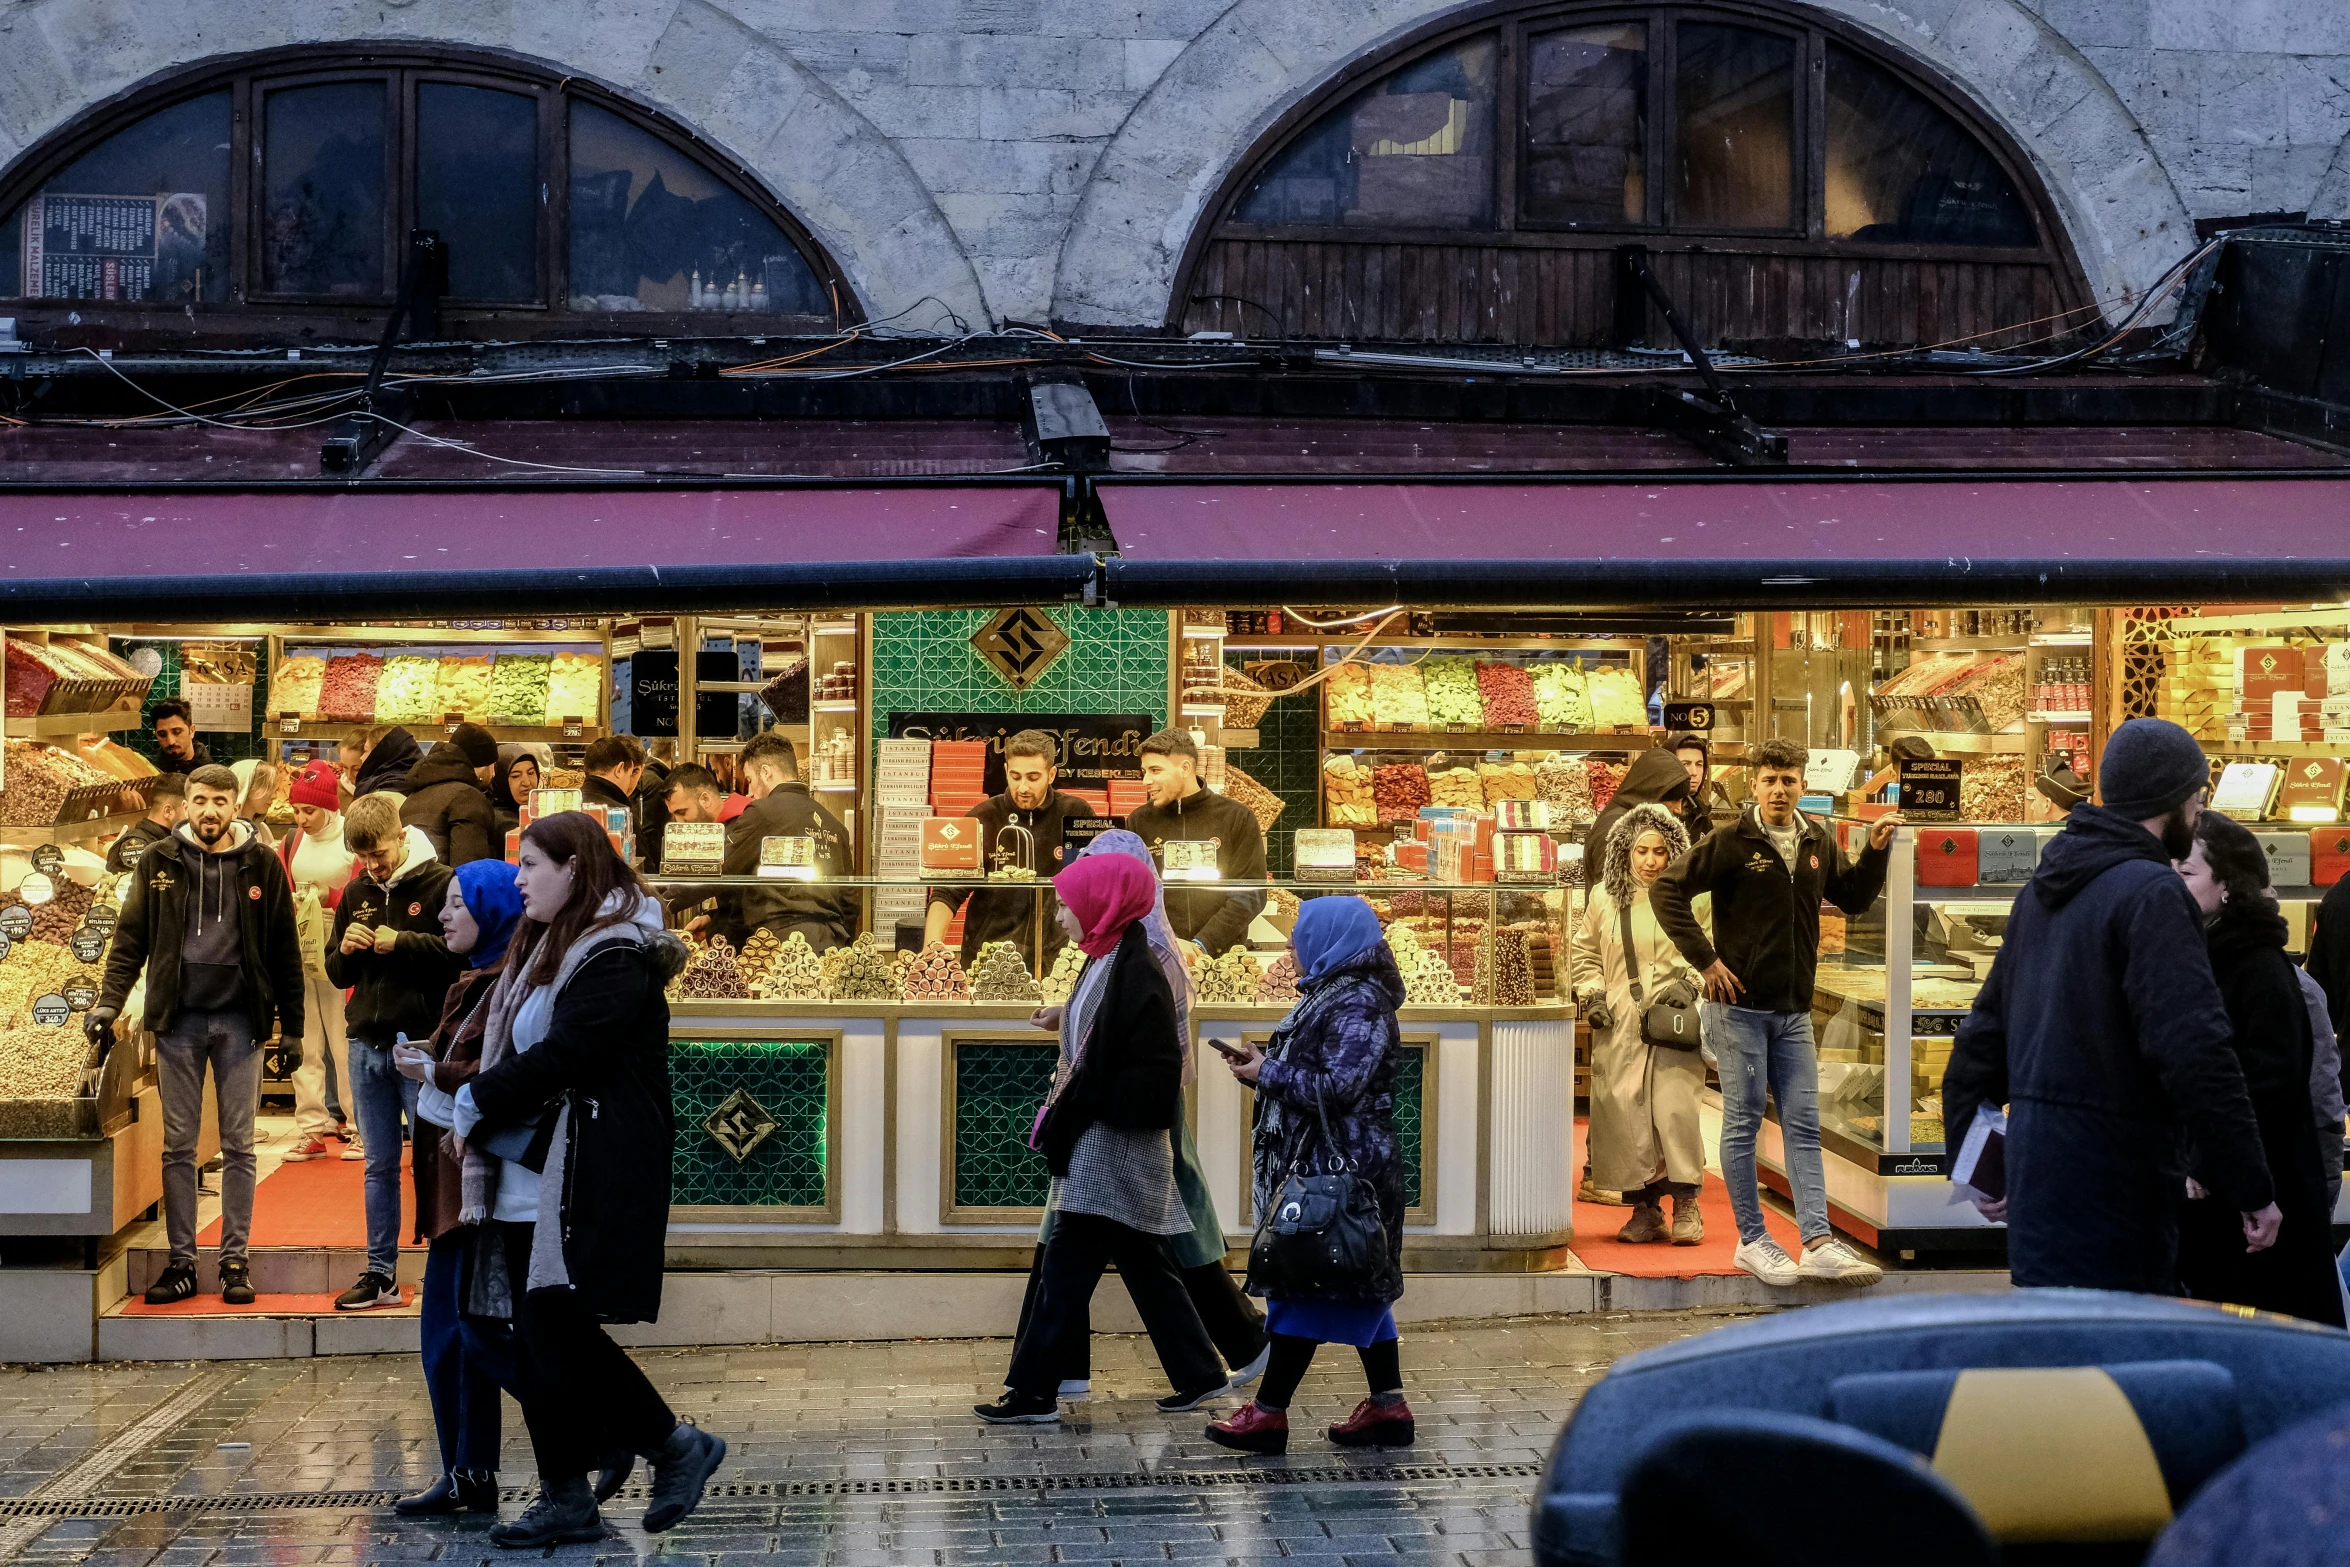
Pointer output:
414, 909
1020, 644
254, 893
740, 1125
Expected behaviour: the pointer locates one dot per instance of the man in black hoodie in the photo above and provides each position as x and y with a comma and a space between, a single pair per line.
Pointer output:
210, 917
1013, 912
1185, 810
2103, 1031
449, 797
387, 946
1655, 778
782, 807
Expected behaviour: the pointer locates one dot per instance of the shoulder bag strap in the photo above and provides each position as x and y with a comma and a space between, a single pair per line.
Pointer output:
1631, 957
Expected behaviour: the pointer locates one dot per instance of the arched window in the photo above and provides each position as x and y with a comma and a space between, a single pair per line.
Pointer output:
1791, 183
288, 185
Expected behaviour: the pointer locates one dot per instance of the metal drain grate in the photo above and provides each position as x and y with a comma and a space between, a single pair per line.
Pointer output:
786, 1490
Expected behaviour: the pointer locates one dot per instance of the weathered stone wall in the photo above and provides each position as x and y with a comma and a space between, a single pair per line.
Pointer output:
1029, 159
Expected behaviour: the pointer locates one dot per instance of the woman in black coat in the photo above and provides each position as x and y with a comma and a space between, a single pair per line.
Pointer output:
2228, 875
583, 1099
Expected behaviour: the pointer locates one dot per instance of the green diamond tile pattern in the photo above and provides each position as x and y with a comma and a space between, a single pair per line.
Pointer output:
1409, 1084
225, 747
997, 1090
791, 1079
1287, 760
923, 661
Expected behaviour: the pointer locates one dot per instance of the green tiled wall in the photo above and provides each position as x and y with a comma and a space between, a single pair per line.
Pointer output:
997, 1090
923, 661
1410, 1083
1287, 759
225, 747
791, 1079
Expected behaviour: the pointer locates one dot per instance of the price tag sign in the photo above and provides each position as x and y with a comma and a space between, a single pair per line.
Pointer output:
6, 943
80, 998
48, 859
102, 918
1930, 788
790, 857
1829, 771
36, 889
16, 922
88, 944
289, 725
1695, 718
52, 1011
574, 728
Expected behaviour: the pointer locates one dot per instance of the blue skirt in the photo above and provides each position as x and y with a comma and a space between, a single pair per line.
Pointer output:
1361, 1323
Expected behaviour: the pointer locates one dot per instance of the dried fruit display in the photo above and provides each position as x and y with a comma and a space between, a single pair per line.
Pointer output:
1991, 789
38, 1062
39, 777
464, 687
1505, 781
1398, 699
1456, 787
1279, 986
1508, 692
1231, 979
861, 971
408, 691
1616, 698
575, 687
936, 976
297, 684
1560, 699
713, 975
32, 670
518, 687
798, 975
1606, 778
347, 694
1399, 789
1451, 687
1061, 979
1348, 797
999, 974
1505, 972
1565, 783
1346, 697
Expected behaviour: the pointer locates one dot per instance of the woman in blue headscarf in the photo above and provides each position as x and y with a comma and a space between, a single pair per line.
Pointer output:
1326, 1090
467, 1359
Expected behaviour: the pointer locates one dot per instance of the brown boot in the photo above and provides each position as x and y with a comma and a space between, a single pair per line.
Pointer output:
1688, 1223
1646, 1224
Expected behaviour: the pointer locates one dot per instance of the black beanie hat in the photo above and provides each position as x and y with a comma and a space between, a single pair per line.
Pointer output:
478, 744
2150, 766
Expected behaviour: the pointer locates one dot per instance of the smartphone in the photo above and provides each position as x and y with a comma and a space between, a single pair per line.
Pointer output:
1228, 1052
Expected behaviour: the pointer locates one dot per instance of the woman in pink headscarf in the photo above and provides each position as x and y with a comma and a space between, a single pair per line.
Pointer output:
1104, 1135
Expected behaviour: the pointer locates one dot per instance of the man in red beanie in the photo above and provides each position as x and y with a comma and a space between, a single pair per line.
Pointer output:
319, 867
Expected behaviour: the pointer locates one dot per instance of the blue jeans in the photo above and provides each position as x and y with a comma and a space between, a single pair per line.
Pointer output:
466, 1360
386, 1108
1759, 1050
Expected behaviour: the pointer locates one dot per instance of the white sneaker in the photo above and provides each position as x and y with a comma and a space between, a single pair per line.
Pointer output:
1768, 1261
1836, 1263
353, 1153
1077, 1389
1253, 1370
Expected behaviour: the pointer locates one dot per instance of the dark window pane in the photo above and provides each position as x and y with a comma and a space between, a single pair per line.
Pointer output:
143, 215
477, 185
322, 204
652, 230
1587, 125
1414, 151
1900, 171
1736, 144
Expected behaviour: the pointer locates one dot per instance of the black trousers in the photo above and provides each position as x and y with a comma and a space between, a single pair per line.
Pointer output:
1082, 1245
582, 1397
1234, 1324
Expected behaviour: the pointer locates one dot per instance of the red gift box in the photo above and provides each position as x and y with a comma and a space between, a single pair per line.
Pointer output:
1947, 857
2329, 854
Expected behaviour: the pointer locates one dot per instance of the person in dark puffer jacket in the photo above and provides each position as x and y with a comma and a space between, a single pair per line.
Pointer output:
1331, 1063
449, 798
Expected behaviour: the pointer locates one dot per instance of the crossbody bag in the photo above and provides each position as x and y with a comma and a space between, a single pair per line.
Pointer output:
1670, 1021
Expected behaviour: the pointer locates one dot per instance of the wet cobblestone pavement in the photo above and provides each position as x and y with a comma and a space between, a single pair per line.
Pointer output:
839, 1454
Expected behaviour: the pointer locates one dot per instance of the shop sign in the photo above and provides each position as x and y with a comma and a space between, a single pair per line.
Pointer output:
1020, 644
740, 1125
1930, 788
1695, 718
652, 694
1095, 747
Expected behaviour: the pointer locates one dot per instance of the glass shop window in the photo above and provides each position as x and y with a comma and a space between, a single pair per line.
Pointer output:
1901, 171
1587, 125
477, 184
1735, 139
144, 215
324, 230
651, 230
1413, 151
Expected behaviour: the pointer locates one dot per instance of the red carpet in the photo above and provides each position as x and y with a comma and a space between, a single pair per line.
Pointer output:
1596, 1225
320, 1202
201, 1305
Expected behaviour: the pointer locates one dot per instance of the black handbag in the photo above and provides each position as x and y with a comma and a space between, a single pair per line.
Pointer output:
1322, 1234
1670, 1021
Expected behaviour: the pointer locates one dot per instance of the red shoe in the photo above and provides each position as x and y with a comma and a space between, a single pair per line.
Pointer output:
1253, 1430
1375, 1425
307, 1148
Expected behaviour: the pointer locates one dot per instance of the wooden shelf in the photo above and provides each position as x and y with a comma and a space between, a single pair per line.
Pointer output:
2295, 749
273, 728
1961, 741
2060, 718
68, 832
65, 726
1482, 740
1966, 644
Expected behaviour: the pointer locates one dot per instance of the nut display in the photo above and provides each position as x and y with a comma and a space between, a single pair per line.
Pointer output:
347, 694
1505, 971
1457, 787
1508, 692
1398, 700
861, 971
408, 691
1262, 803
1399, 789
936, 975
1061, 979
1451, 687
1279, 986
34, 969
56, 920
798, 975
1346, 697
39, 777
297, 684
1560, 700
37, 1062
518, 687
1991, 789
1349, 798
999, 974
713, 975
1230, 979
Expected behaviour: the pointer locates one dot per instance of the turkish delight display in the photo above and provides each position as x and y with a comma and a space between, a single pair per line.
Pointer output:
999, 974
1061, 978
1348, 796
464, 687
347, 694
713, 975
798, 975
1560, 698
935, 976
1451, 686
1508, 692
861, 971
1616, 700
1279, 986
1230, 979
409, 689
297, 685
1505, 971
518, 688
1346, 697
1398, 700
1605, 779
575, 687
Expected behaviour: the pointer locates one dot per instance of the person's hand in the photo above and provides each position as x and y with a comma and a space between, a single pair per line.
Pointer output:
1996, 1212
357, 938
1721, 985
1250, 1063
2260, 1229
1597, 1013
1046, 1018
412, 1062
455, 1145
386, 939
2195, 1191
698, 923
98, 1027
1881, 830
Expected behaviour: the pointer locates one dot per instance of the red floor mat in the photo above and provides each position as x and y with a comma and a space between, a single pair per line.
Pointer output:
319, 1202
1596, 1225
263, 1306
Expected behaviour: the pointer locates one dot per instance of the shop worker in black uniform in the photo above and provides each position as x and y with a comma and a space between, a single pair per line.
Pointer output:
1184, 809
167, 807
177, 750
1013, 913
613, 766
782, 807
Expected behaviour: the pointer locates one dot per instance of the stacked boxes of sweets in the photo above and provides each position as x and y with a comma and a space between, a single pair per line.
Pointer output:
1450, 685
1508, 693
999, 974
1347, 701
346, 694
1562, 702
958, 775
1398, 699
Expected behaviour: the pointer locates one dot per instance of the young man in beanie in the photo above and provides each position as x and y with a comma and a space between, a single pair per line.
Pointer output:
2102, 1031
449, 797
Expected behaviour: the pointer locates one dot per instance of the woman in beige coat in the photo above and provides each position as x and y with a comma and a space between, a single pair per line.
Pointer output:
1644, 1140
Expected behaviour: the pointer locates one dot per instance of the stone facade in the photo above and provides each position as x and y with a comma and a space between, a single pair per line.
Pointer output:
992, 160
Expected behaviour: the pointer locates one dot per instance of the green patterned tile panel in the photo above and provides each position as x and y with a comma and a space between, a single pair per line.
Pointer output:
1286, 759
997, 1090
791, 1081
923, 661
1410, 1084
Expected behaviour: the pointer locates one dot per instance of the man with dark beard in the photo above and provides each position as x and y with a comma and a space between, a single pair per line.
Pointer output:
2102, 1030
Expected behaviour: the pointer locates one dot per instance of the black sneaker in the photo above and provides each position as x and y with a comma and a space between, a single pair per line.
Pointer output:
680, 1472
372, 1290
1020, 1409
1177, 1403
612, 1472
236, 1284
176, 1282
564, 1514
